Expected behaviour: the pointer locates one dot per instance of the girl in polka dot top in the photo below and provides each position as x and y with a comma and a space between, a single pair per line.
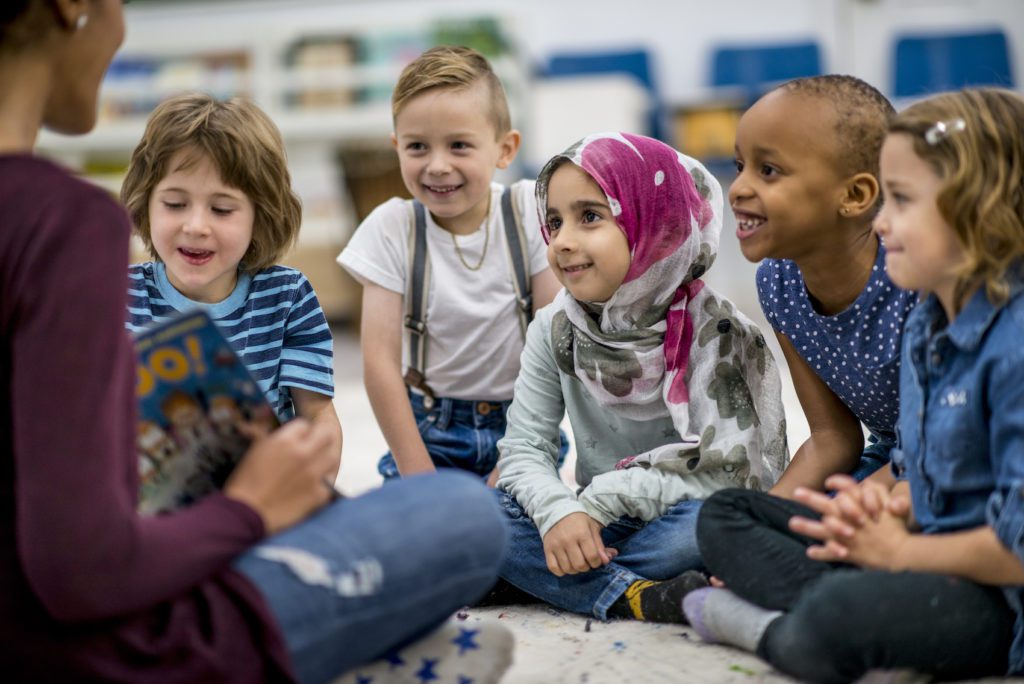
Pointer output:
804, 198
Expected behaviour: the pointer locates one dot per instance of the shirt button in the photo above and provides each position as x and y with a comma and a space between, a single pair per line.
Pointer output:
936, 359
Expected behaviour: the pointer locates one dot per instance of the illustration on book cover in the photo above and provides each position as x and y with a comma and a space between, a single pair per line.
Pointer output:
193, 394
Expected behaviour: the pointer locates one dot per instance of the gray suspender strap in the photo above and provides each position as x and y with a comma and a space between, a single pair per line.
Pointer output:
519, 257
418, 285
416, 288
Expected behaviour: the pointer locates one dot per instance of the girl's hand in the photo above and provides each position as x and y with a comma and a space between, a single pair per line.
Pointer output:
282, 475
852, 505
841, 514
877, 544
574, 545
862, 525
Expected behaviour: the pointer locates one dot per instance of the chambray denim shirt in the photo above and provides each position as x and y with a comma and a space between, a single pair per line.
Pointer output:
961, 425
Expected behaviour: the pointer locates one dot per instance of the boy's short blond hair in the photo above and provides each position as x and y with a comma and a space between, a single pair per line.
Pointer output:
246, 148
981, 163
452, 66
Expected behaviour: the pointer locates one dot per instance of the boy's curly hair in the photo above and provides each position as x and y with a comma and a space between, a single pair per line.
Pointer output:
246, 148
862, 117
452, 66
983, 170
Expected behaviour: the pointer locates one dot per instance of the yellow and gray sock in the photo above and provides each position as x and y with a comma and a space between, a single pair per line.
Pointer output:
657, 601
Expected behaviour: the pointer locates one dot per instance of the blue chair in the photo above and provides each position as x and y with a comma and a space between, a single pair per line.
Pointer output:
934, 63
754, 70
636, 63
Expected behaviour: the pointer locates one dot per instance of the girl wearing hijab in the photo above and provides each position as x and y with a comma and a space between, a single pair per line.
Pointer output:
671, 392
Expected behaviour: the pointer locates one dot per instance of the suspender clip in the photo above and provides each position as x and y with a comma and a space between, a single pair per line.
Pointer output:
414, 325
414, 378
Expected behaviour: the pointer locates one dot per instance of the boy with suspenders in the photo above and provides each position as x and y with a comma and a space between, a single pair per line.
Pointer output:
452, 278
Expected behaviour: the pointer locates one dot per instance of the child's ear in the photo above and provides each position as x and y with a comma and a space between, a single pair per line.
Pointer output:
509, 144
861, 194
394, 141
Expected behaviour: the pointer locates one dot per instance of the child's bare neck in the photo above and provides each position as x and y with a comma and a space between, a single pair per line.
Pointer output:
467, 223
835, 277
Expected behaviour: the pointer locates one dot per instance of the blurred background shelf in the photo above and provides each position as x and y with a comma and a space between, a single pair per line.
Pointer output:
680, 70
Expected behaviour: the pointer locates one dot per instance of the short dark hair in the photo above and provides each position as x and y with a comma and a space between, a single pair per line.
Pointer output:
22, 22
862, 117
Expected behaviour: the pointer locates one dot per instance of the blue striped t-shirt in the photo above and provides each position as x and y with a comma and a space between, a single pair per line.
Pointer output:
272, 319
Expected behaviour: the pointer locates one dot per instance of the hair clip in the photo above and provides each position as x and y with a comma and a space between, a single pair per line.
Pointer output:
943, 129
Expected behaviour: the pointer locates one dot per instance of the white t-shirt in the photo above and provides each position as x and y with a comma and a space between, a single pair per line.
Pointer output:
473, 334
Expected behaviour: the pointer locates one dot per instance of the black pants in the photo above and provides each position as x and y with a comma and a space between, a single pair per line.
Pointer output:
841, 621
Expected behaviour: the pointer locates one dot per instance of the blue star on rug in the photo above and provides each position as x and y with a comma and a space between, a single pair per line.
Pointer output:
465, 680
465, 640
426, 673
365, 680
394, 659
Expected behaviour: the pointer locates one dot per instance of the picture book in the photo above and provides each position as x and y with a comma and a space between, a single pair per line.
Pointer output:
193, 394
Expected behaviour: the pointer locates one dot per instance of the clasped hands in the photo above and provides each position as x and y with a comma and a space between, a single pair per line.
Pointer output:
864, 524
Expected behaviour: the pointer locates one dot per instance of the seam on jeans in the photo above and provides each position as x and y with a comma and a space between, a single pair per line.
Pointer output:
620, 581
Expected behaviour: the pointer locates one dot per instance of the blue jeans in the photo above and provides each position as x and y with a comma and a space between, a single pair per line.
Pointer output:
460, 433
369, 574
657, 550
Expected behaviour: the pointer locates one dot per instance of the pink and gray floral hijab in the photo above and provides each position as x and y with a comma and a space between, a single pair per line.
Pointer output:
665, 342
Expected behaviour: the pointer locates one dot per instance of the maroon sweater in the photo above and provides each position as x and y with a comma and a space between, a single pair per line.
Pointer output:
88, 589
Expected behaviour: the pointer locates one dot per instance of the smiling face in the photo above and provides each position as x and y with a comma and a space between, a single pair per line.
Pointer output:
588, 252
201, 228
789, 185
922, 252
448, 150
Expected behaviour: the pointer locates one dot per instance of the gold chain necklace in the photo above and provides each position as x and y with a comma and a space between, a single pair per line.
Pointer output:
458, 251
487, 240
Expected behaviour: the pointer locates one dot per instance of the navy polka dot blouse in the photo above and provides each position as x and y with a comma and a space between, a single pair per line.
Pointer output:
855, 352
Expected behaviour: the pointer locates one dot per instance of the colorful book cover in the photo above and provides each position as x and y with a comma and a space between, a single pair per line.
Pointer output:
193, 393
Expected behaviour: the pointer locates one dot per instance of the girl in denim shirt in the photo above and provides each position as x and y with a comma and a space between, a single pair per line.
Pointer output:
926, 575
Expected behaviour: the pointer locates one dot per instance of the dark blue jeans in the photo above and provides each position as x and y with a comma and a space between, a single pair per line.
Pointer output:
460, 433
657, 550
372, 573
874, 456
